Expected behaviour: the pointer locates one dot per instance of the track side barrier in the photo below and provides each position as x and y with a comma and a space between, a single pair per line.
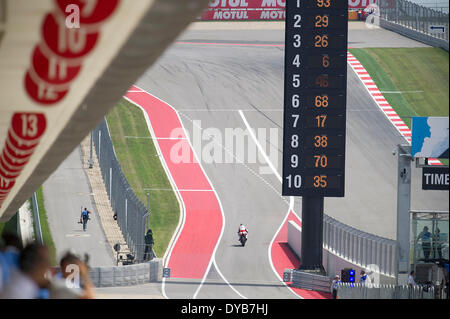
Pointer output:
129, 275
348, 247
367, 291
414, 21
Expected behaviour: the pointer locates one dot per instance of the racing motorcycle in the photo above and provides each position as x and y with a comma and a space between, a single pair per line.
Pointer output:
243, 239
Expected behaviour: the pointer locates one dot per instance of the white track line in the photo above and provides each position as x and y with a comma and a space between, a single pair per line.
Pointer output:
221, 210
269, 251
291, 200
258, 145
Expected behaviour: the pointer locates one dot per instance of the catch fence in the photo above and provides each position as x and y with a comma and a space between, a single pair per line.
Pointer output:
131, 214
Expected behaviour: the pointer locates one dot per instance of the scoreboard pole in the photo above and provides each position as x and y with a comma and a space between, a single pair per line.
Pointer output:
312, 233
315, 97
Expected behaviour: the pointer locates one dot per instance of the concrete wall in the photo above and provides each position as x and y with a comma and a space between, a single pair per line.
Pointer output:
345, 291
332, 262
413, 34
333, 265
127, 275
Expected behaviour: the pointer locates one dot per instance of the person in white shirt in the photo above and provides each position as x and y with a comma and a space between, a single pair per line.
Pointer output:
363, 277
334, 286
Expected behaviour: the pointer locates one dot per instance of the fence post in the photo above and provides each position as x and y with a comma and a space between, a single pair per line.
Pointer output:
126, 215
99, 144
37, 221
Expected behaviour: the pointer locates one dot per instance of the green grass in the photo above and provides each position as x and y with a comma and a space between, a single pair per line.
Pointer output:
143, 170
409, 70
46, 234
420, 73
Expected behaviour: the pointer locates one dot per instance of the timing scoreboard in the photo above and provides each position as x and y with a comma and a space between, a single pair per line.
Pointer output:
315, 91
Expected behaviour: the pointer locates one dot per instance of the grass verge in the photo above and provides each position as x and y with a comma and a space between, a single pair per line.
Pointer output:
413, 80
419, 74
143, 169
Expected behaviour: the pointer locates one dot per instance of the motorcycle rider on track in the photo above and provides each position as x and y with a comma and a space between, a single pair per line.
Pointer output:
242, 231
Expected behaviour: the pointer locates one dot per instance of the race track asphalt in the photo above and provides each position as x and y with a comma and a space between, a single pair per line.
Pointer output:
66, 191
208, 77
215, 81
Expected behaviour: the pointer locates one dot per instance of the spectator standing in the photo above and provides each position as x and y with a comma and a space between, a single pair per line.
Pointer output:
3, 265
84, 217
9, 257
149, 242
334, 286
28, 282
411, 282
425, 236
437, 244
363, 278
13, 246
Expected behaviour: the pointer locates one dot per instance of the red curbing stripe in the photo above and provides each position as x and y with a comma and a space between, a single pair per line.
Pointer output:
284, 258
134, 88
193, 250
434, 161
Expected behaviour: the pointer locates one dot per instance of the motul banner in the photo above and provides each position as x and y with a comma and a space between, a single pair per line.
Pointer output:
360, 4
247, 4
272, 4
259, 9
244, 15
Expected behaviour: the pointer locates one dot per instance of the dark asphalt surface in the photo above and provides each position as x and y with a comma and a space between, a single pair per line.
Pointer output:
208, 85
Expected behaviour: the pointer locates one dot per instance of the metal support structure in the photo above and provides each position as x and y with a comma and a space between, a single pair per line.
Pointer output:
37, 221
435, 216
312, 234
403, 216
